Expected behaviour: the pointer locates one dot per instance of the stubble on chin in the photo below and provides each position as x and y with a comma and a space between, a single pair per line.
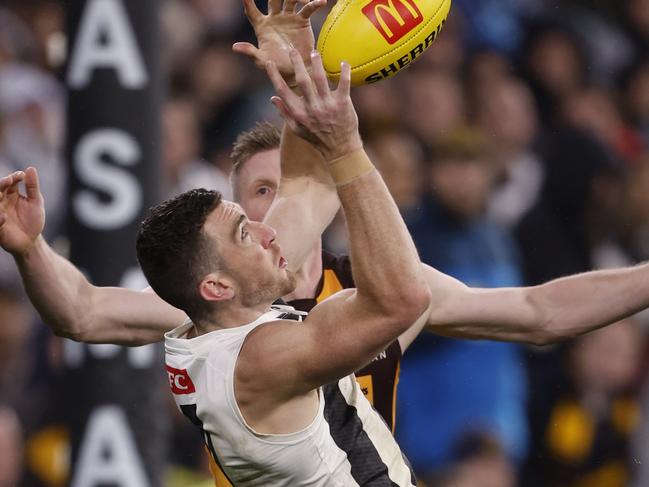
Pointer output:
290, 283
270, 291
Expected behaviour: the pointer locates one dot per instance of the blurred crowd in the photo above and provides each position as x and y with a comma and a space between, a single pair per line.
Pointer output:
517, 149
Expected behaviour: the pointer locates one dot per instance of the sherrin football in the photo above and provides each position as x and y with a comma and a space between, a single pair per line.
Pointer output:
378, 38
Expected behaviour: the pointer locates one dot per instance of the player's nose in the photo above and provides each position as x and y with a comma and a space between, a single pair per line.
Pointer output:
266, 235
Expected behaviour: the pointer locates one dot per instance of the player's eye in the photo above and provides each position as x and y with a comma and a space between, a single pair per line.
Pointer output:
263, 190
244, 233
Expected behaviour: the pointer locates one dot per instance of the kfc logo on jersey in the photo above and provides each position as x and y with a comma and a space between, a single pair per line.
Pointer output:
179, 381
393, 18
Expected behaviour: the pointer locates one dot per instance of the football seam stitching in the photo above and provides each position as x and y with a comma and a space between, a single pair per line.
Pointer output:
387, 53
333, 22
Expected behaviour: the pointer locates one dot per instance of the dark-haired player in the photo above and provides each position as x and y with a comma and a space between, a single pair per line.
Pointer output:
277, 400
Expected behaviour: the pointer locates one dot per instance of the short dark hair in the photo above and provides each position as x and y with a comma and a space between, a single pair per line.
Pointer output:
173, 250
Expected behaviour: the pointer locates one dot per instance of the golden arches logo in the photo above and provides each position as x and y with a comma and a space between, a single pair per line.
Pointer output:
393, 18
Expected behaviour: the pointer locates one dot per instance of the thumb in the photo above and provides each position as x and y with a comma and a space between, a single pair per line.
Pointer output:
246, 49
32, 185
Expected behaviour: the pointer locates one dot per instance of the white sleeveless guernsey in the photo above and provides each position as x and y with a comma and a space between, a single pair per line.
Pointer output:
346, 444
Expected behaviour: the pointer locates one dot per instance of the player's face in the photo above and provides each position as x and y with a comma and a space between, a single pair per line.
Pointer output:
258, 182
249, 254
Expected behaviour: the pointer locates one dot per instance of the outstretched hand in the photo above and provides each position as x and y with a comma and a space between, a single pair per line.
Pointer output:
22, 217
284, 28
323, 116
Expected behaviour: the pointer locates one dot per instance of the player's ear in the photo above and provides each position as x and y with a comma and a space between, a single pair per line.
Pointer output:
216, 287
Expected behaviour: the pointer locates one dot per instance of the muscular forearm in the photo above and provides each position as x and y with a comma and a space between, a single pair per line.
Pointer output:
578, 304
385, 262
58, 291
558, 310
76, 309
306, 201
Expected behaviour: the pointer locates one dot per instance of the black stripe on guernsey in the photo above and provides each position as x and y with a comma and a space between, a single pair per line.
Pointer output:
290, 316
189, 410
347, 431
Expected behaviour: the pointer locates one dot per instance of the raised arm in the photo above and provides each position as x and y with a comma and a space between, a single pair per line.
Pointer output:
554, 311
351, 328
306, 201
64, 298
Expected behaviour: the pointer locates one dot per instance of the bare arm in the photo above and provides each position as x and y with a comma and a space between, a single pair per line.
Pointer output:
306, 202
64, 298
554, 311
557, 310
348, 330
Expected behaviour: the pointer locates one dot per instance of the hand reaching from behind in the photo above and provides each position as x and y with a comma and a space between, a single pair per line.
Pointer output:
22, 217
323, 116
284, 28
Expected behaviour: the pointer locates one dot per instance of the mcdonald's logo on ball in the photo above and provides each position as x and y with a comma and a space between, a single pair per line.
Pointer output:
378, 38
393, 18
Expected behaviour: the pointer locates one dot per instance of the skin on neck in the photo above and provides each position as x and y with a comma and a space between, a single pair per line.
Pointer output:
308, 277
229, 315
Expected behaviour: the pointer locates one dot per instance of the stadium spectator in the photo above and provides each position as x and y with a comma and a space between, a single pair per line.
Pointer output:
183, 169
504, 110
474, 386
594, 110
635, 95
11, 443
434, 103
399, 156
581, 429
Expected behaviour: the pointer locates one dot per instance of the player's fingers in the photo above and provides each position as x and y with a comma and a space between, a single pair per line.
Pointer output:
318, 74
290, 99
284, 112
32, 184
312, 7
302, 78
274, 7
246, 49
9, 184
345, 79
252, 12
281, 107
5, 182
8, 181
289, 6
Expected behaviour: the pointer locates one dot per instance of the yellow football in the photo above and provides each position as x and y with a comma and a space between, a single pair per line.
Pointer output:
378, 38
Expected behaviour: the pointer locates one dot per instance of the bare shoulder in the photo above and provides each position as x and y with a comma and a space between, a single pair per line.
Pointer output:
265, 377
269, 359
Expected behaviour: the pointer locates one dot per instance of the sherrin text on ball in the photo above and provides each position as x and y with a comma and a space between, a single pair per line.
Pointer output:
378, 38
